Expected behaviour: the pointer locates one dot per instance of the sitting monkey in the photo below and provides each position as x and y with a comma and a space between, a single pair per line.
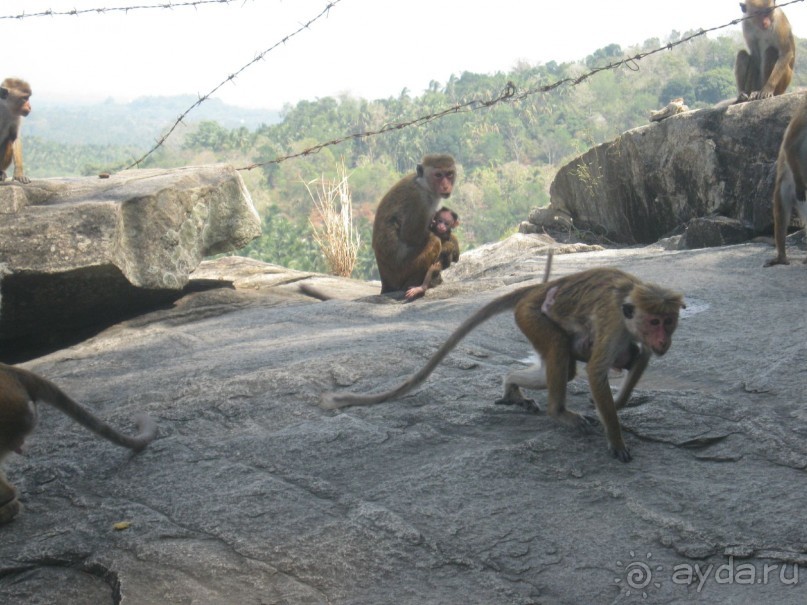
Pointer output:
404, 246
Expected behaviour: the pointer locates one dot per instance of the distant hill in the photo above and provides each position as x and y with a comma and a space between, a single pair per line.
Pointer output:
138, 122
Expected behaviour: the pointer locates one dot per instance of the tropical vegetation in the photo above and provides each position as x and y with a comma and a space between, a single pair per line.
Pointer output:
508, 152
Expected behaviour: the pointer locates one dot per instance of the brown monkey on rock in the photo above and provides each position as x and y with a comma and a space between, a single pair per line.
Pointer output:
790, 189
604, 317
15, 104
766, 68
404, 247
442, 225
19, 392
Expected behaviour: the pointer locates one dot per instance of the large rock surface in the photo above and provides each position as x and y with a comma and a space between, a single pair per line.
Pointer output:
656, 178
83, 252
254, 494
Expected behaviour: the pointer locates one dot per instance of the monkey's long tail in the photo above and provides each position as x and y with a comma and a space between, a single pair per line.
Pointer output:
313, 292
41, 389
333, 401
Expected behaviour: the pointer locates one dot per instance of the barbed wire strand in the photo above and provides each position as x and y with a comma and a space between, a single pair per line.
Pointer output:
230, 78
121, 9
509, 94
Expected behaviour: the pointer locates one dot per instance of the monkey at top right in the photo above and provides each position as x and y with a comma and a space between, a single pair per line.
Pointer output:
766, 68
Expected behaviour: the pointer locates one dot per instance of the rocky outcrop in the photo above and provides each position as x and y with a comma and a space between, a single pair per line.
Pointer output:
694, 165
79, 254
254, 494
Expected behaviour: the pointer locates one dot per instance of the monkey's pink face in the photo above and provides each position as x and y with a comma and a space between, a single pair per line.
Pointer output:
761, 16
442, 182
764, 20
443, 223
657, 331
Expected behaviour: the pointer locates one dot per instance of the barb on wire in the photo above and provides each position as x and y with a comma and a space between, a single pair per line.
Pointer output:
120, 9
509, 94
230, 78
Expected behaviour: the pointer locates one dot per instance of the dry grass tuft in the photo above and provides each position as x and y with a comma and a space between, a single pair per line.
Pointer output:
335, 234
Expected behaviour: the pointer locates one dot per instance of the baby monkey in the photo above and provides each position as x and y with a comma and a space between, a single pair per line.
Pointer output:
19, 392
444, 221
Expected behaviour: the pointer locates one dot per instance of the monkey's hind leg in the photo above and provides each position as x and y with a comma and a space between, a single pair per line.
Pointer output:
5, 159
801, 210
558, 365
746, 75
9, 505
533, 377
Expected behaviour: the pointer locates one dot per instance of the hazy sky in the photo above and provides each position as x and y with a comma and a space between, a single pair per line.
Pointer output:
368, 48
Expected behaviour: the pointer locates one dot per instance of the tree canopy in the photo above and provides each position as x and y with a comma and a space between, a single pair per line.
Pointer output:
507, 153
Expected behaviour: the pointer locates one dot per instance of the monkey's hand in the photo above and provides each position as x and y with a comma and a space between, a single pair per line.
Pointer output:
3, 176
415, 292
22, 179
529, 405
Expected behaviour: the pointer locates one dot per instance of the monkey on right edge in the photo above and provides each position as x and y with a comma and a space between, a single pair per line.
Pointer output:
19, 392
767, 69
604, 317
442, 225
791, 182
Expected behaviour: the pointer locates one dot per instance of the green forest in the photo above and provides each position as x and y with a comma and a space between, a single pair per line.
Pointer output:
507, 153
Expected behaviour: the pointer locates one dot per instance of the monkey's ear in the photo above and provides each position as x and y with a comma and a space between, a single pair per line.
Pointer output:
742, 7
628, 310
420, 170
3, 92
